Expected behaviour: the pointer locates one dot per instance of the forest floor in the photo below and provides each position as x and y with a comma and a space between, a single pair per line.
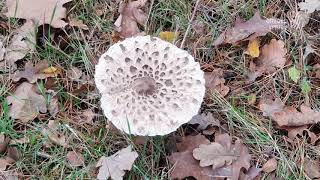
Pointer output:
52, 126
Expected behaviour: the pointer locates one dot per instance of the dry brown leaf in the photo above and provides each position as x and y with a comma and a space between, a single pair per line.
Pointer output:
51, 131
273, 55
253, 48
115, 165
240, 152
53, 106
26, 103
74, 73
78, 23
75, 159
254, 27
3, 143
130, 16
23, 140
40, 11
301, 131
21, 43
214, 154
184, 164
204, 120
290, 116
252, 174
269, 107
270, 165
33, 73
215, 81
12, 156
312, 168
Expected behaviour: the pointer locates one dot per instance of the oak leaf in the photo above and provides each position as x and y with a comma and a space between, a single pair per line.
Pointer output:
114, 165
130, 16
243, 157
290, 116
40, 11
254, 27
26, 103
184, 164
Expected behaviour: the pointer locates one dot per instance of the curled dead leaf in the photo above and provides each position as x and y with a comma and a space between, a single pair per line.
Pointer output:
51, 131
130, 16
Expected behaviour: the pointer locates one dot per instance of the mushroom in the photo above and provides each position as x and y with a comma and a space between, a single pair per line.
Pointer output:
149, 86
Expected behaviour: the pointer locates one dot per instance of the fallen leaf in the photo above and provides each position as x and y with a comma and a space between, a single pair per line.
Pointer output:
78, 23
53, 106
242, 154
74, 73
189, 143
3, 143
253, 48
33, 73
294, 74
301, 131
309, 6
26, 103
270, 107
130, 16
270, 165
184, 164
214, 154
51, 70
114, 165
252, 173
214, 81
40, 11
3, 164
273, 55
168, 36
51, 131
75, 159
250, 29
290, 116
204, 120
312, 168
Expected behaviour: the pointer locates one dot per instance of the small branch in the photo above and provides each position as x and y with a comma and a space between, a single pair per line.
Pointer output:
190, 23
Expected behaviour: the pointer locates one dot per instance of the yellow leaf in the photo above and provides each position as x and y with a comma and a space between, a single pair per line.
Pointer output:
51, 70
168, 36
253, 48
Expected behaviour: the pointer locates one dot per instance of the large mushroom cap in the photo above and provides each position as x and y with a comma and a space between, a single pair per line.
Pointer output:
149, 86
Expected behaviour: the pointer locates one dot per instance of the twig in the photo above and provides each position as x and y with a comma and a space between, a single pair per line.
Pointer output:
190, 23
